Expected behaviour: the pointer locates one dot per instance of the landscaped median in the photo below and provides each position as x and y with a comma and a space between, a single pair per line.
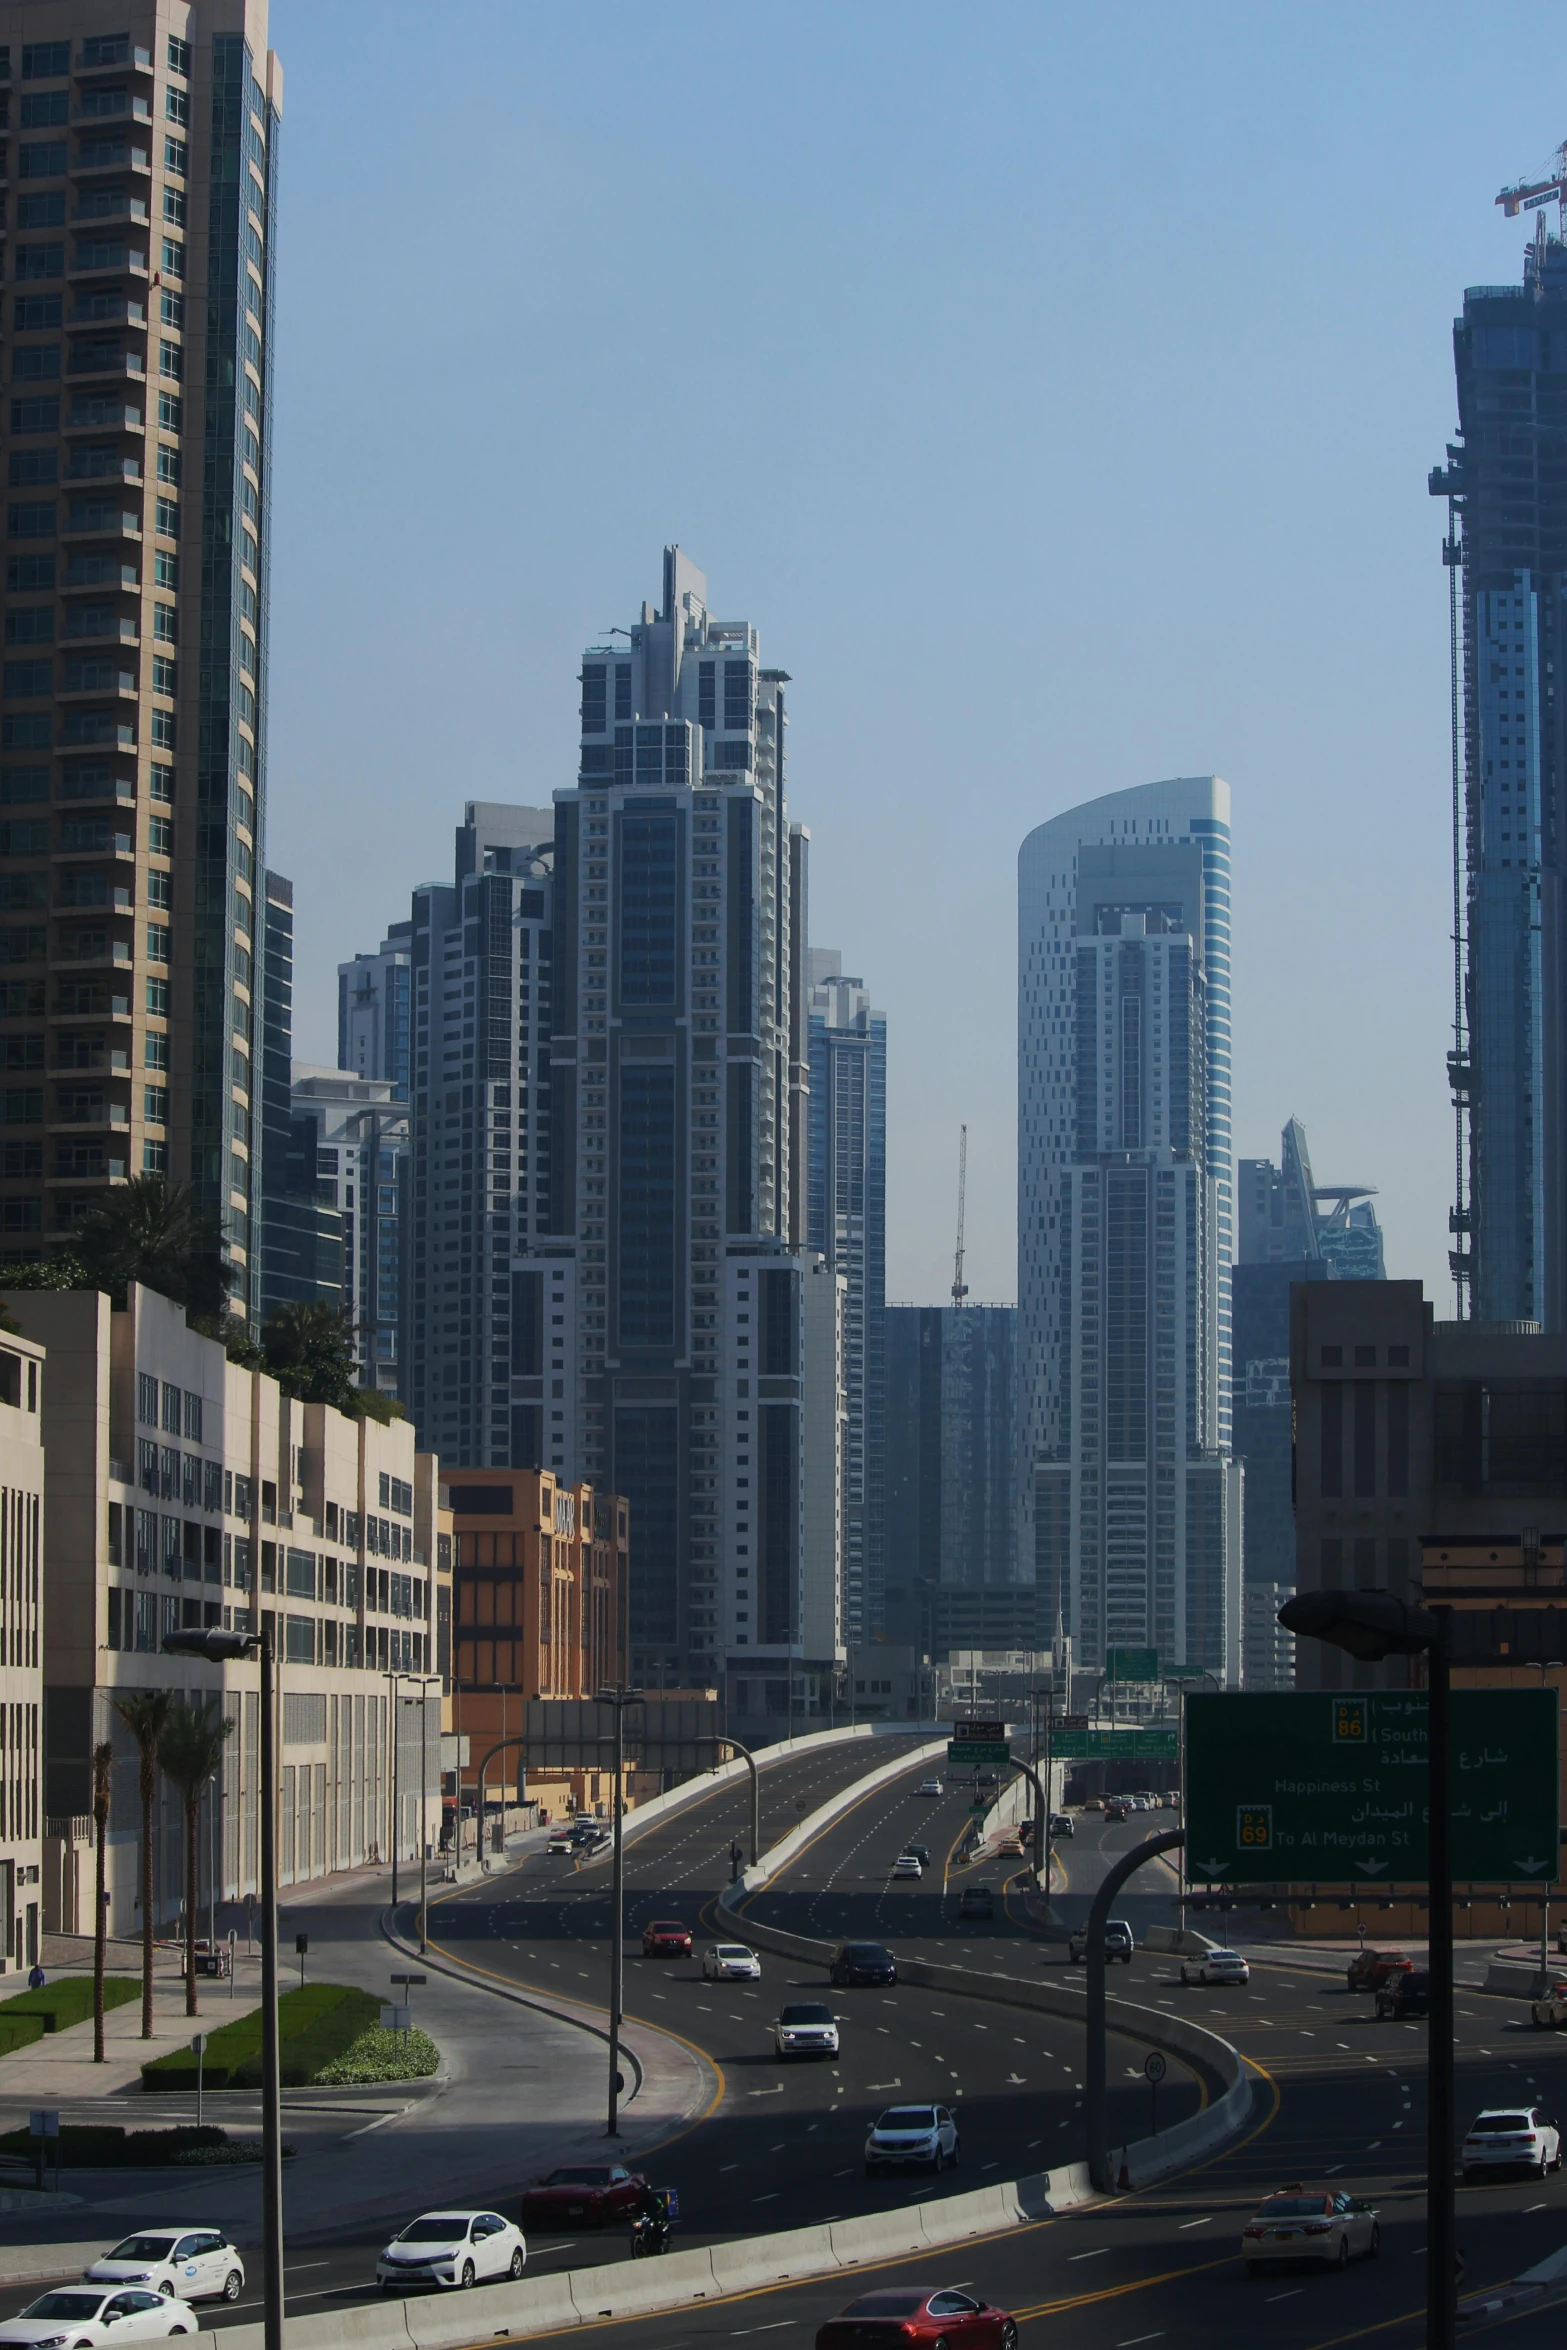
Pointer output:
329, 2034
33, 2014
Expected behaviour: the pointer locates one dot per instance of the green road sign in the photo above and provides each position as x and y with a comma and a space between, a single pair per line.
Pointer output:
1113, 1746
1298, 1788
971, 1754
1131, 1664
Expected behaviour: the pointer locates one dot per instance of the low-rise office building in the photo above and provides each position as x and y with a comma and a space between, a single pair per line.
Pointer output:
21, 1649
184, 1490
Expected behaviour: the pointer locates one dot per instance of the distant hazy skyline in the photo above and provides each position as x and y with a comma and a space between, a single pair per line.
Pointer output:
1055, 390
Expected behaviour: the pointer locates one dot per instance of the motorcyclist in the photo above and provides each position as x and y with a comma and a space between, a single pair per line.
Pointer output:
650, 2216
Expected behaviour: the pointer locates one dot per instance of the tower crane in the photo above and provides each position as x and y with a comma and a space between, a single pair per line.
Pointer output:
959, 1285
1551, 187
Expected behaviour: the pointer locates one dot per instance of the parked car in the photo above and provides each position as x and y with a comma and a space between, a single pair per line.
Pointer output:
1118, 1942
806, 2028
81, 2316
1369, 1969
1216, 1966
666, 1938
589, 2195
912, 2135
913, 2313
1329, 2229
855, 1964
192, 2264
456, 2248
730, 1962
1408, 1992
930, 1787
976, 1901
1551, 2006
1510, 2138
1063, 1823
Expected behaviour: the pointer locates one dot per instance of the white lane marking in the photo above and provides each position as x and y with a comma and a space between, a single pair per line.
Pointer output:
1205, 2221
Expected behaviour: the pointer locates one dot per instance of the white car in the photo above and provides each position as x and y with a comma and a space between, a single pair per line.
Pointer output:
1216, 1966
806, 2028
193, 2264
909, 2135
930, 1787
1302, 2224
1512, 2138
452, 2248
561, 1840
907, 1864
78, 2317
730, 1962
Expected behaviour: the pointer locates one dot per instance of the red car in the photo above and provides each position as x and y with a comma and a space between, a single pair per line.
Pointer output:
914, 2313
666, 1938
582, 2198
1368, 1970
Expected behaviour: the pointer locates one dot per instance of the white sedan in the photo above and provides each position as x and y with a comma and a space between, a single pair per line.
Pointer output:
1512, 2138
907, 1864
79, 2317
930, 1787
1329, 2229
452, 2248
194, 2264
1216, 1966
730, 1962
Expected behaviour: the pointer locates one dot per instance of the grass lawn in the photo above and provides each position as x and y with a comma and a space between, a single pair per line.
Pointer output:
315, 2025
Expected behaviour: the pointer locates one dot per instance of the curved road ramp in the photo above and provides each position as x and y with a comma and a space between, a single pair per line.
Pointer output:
627, 2288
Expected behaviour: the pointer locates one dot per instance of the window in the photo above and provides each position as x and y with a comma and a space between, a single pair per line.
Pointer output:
40, 211
171, 412
157, 1051
173, 160
35, 415
173, 1414
147, 1398
173, 206
34, 261
179, 55
159, 890
161, 782
45, 61
165, 568
31, 625
168, 464
160, 836
155, 1105
158, 998
164, 675
25, 572
28, 678
43, 160
33, 313
44, 108
163, 730
176, 105
157, 945
171, 309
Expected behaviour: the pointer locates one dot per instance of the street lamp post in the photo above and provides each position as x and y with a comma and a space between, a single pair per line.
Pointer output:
1374, 1625
619, 1697
219, 1647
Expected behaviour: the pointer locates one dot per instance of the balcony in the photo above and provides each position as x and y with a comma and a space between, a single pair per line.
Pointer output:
101, 519
108, 309
92, 729
90, 359
100, 571
84, 1163
103, 465
91, 946
91, 1056
111, 53
93, 155
89, 999
103, 412
92, 836
112, 106
97, 677
99, 896
99, 260
110, 204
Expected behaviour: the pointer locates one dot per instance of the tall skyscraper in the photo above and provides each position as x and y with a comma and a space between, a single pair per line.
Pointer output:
846, 1218
951, 1462
133, 733
1507, 490
694, 1343
1285, 1216
353, 1136
479, 952
375, 1025
301, 1228
1130, 1503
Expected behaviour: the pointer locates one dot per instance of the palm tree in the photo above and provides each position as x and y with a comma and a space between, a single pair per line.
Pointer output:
151, 1230
190, 1752
145, 1713
102, 1782
309, 1349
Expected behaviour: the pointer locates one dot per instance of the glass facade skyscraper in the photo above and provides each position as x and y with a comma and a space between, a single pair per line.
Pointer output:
1129, 1501
1506, 480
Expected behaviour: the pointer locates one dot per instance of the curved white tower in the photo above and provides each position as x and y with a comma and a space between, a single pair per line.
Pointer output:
1129, 1504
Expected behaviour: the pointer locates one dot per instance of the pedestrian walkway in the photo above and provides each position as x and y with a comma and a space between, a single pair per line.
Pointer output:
59, 2069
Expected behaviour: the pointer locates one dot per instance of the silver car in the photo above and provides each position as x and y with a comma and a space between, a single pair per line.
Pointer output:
923, 2137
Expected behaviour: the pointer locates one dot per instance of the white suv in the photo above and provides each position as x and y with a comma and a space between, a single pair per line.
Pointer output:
907, 2135
1510, 2138
806, 2028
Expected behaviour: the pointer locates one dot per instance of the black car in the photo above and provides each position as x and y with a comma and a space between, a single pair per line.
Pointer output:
858, 1963
921, 1853
1406, 1993
977, 1902
1118, 1942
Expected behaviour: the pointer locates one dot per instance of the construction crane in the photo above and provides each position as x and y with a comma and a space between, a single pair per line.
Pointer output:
1551, 187
959, 1285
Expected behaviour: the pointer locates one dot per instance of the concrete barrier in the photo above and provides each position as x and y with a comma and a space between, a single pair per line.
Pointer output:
636, 2288
533, 2306
1517, 1981
773, 2260
1179, 1941
378, 2325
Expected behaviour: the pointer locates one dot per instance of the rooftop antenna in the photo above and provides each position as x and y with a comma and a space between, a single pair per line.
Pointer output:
959, 1285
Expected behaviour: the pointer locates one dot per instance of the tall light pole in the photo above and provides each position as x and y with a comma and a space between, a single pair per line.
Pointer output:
219, 1647
1373, 1625
619, 1697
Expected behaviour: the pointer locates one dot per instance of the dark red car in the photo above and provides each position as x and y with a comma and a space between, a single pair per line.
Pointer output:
1368, 1970
590, 2196
917, 2313
666, 1938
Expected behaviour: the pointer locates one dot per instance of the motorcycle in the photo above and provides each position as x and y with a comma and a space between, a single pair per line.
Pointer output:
649, 2237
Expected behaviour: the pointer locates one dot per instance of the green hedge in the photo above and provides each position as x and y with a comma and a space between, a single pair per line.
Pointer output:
32, 2014
105, 2146
315, 2025
379, 2055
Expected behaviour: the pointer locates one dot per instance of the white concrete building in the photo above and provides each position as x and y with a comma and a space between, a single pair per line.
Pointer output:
364, 1168
21, 1649
184, 1490
1129, 1503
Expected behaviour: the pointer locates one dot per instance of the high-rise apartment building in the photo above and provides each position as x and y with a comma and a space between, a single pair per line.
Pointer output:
1130, 1502
846, 1222
1285, 1216
375, 1011
301, 1224
1507, 491
136, 419
355, 1137
673, 1335
950, 1468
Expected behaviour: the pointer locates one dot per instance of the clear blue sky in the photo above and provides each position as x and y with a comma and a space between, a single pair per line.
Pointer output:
1054, 387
